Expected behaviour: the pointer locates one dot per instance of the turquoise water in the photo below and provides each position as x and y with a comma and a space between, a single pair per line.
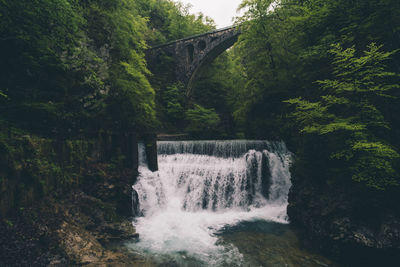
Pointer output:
255, 243
270, 244
218, 203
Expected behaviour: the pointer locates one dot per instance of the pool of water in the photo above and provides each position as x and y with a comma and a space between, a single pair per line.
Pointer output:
218, 203
270, 244
248, 243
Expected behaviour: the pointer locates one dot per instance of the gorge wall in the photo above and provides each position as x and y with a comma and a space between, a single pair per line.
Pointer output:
33, 168
355, 224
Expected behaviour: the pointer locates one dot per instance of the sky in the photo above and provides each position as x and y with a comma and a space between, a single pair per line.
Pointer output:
222, 11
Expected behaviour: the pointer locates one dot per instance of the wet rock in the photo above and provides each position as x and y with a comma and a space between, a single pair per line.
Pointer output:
344, 219
83, 247
80, 246
75, 231
112, 188
266, 176
135, 204
116, 232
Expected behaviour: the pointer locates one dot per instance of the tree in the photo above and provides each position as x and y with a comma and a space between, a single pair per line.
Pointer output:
350, 108
202, 122
172, 106
74, 66
284, 48
212, 88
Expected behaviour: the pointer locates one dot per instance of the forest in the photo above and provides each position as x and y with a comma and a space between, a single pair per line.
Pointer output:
322, 75
327, 70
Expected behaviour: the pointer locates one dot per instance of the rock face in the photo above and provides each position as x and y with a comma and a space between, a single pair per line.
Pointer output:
77, 231
151, 152
57, 215
357, 225
88, 226
85, 227
32, 168
111, 186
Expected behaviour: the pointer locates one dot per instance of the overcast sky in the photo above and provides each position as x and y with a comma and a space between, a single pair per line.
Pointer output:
222, 11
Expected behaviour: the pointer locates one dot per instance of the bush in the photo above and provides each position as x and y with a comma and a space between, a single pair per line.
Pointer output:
202, 122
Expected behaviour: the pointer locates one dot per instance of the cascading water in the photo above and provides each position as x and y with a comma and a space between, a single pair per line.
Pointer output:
201, 188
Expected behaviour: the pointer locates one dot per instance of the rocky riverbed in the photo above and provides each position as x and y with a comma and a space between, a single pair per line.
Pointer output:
77, 229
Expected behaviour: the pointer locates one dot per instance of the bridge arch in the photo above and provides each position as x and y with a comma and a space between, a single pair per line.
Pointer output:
191, 53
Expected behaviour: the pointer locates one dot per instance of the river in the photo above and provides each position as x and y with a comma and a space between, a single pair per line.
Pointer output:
218, 203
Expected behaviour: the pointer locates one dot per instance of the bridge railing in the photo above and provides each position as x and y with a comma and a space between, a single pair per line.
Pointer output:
194, 36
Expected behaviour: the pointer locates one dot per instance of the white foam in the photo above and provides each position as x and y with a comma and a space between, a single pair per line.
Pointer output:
192, 197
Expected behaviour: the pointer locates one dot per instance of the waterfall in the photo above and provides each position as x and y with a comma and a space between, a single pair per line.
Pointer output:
233, 148
203, 186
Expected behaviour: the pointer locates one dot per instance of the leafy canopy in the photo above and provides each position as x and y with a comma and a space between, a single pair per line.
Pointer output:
202, 121
349, 107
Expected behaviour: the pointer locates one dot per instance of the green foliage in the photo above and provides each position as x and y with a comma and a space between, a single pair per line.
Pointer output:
202, 122
66, 62
169, 21
285, 47
52, 164
131, 105
268, 67
345, 125
74, 67
9, 223
172, 105
33, 168
33, 34
351, 108
212, 88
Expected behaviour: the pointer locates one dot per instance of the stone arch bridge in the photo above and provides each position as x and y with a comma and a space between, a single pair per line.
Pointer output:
193, 52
